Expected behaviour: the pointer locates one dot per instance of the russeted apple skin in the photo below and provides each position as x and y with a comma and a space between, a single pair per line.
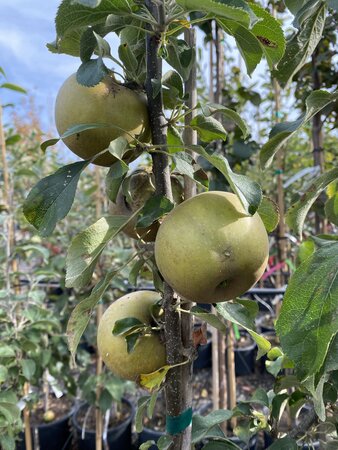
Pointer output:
107, 103
149, 353
209, 250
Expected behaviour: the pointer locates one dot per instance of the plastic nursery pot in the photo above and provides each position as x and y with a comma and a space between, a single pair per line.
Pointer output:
245, 355
118, 437
56, 435
204, 355
147, 434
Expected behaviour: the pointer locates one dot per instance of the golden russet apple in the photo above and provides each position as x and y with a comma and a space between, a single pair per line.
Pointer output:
208, 249
149, 353
123, 110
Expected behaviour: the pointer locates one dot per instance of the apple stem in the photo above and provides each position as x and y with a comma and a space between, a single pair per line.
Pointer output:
178, 381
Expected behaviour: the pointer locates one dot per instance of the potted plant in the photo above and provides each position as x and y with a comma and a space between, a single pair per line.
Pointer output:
117, 411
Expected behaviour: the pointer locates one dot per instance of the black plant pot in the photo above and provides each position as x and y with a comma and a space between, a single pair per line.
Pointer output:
51, 436
245, 359
268, 440
118, 437
204, 355
147, 434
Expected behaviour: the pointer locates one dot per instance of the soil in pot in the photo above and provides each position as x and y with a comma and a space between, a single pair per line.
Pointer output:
119, 427
54, 435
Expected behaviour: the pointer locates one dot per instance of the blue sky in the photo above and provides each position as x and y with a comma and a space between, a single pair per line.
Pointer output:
25, 28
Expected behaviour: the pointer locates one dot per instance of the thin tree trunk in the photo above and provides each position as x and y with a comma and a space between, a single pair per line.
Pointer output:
178, 377
318, 138
222, 341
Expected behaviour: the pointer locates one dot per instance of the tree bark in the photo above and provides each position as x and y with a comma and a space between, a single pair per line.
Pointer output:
176, 387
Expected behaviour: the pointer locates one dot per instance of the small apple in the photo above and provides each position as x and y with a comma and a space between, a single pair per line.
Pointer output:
141, 186
109, 102
49, 416
149, 353
209, 249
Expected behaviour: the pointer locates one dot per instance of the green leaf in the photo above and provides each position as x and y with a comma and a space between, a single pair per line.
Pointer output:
164, 443
213, 108
172, 79
118, 147
237, 11
10, 411
268, 210
295, 5
13, 87
89, 3
308, 319
114, 178
180, 56
14, 139
154, 208
282, 132
52, 197
208, 317
184, 166
248, 191
49, 143
126, 325
208, 128
331, 205
6, 351
174, 140
128, 59
7, 442
201, 425
238, 314
316, 388
247, 43
105, 400
284, 443
28, 368
333, 4
301, 46
270, 35
142, 404
134, 273
131, 340
297, 212
86, 248
3, 373
83, 311
91, 72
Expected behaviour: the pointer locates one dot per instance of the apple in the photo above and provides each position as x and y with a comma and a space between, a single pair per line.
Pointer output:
208, 249
109, 102
149, 353
141, 186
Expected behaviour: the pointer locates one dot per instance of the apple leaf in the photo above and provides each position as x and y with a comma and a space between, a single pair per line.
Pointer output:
142, 405
154, 380
208, 317
269, 33
248, 191
91, 72
247, 43
52, 197
213, 108
87, 246
83, 311
174, 140
297, 212
237, 313
308, 320
331, 205
154, 208
301, 46
28, 367
236, 10
13, 87
135, 270
180, 56
184, 165
283, 131
126, 326
114, 178
208, 128
89, 3
220, 445
269, 213
202, 425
